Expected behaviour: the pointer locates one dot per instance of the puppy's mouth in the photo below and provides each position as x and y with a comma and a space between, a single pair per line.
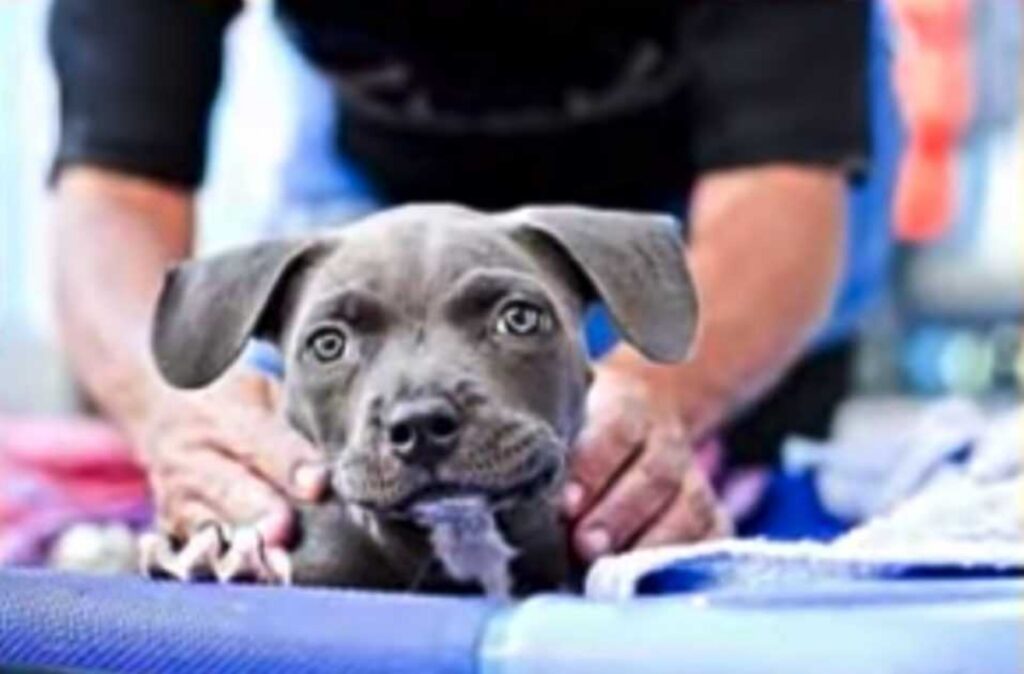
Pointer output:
497, 498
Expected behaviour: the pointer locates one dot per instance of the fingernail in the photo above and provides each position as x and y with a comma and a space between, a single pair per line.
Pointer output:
274, 527
572, 499
309, 480
594, 543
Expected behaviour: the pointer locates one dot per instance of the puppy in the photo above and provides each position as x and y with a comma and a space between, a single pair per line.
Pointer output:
434, 355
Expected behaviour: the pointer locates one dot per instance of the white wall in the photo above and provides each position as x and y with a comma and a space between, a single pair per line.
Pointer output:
30, 368
257, 124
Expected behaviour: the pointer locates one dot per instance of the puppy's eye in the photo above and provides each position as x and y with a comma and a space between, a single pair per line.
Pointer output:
522, 319
326, 344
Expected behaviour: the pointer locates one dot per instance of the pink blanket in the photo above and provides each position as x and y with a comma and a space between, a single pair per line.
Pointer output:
57, 472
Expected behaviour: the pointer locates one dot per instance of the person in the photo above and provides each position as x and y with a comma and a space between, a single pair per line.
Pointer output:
751, 115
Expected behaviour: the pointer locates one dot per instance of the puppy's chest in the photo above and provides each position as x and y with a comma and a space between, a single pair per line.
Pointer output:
458, 548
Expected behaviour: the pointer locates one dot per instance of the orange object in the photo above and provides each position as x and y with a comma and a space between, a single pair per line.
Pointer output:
932, 78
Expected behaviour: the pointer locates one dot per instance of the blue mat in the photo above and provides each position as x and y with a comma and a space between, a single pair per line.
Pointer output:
75, 623
133, 625
701, 621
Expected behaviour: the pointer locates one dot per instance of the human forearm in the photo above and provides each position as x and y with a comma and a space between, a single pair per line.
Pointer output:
222, 453
113, 237
765, 252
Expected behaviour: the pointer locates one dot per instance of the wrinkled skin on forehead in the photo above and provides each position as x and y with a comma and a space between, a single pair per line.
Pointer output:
419, 300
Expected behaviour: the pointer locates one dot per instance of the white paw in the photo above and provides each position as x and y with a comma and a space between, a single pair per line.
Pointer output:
215, 552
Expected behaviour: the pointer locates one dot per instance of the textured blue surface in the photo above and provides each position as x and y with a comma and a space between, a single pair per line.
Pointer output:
131, 625
921, 628
832, 624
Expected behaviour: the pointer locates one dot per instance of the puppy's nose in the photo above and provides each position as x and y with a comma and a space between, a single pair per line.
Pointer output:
423, 431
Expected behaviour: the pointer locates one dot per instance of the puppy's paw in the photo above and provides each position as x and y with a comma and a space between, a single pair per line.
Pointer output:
162, 557
215, 552
249, 558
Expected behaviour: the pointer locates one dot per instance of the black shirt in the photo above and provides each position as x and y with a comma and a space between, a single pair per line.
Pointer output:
489, 102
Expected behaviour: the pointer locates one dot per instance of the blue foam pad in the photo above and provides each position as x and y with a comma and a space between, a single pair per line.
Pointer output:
63, 622
931, 627
70, 622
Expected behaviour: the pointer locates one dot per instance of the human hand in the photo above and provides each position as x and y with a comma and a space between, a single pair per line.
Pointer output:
224, 455
632, 480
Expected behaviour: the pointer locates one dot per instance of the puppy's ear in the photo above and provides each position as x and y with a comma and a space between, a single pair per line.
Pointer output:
633, 262
208, 308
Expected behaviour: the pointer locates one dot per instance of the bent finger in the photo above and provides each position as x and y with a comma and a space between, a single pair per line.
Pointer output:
693, 516
273, 450
234, 494
601, 454
637, 498
611, 437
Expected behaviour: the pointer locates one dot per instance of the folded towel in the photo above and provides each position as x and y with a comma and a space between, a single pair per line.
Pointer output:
949, 507
771, 565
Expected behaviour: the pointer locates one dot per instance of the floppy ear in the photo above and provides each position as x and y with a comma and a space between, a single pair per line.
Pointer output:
209, 308
633, 262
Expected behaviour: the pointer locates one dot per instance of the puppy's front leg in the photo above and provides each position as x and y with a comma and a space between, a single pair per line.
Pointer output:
334, 550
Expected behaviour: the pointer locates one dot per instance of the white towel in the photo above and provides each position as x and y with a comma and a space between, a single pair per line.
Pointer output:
939, 508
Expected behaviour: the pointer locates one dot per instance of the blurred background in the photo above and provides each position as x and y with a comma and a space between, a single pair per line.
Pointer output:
948, 323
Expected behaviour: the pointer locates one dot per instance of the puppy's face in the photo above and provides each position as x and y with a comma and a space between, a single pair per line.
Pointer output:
432, 355
433, 350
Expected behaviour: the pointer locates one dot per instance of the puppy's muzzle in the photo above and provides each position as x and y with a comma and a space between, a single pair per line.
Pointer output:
422, 432
429, 447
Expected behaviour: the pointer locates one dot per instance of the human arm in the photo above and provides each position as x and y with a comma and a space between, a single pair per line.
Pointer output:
774, 143
136, 82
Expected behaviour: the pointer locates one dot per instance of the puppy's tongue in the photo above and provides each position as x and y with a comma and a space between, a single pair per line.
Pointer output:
466, 539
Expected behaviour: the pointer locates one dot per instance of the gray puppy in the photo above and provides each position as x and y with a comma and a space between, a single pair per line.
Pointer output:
434, 355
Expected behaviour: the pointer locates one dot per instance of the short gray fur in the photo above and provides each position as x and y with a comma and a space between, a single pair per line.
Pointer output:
416, 291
